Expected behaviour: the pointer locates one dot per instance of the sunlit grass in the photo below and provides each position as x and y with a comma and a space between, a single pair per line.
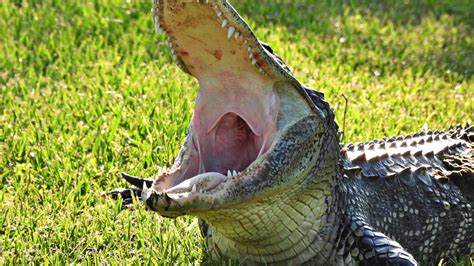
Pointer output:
87, 90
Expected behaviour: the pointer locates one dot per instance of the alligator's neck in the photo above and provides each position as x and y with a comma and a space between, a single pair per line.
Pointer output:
287, 227
296, 226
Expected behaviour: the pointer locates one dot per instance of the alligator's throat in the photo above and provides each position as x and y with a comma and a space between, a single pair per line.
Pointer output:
234, 122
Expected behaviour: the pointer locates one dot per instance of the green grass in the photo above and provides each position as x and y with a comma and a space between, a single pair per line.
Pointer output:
89, 90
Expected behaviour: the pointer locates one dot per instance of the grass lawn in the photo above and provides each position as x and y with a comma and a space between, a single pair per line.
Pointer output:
88, 89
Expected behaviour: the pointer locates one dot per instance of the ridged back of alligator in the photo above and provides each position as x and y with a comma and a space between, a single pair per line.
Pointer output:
418, 189
447, 156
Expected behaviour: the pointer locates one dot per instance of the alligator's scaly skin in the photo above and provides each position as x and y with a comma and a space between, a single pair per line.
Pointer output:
417, 189
307, 199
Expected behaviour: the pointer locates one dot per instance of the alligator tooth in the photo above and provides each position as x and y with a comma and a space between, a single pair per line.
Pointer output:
172, 50
230, 32
224, 23
249, 48
237, 34
194, 188
229, 173
250, 55
219, 13
254, 61
170, 44
234, 173
260, 69
245, 41
175, 58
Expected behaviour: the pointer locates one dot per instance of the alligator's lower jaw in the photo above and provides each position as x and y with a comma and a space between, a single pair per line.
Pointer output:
195, 189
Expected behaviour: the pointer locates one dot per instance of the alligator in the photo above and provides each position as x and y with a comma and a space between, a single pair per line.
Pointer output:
263, 169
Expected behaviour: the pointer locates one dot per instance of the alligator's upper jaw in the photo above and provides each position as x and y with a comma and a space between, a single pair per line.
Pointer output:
209, 35
202, 42
235, 119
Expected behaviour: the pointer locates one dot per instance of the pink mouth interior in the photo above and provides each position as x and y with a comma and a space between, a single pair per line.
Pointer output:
231, 144
234, 122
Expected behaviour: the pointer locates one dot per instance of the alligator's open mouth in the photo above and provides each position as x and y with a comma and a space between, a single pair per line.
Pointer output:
246, 102
236, 110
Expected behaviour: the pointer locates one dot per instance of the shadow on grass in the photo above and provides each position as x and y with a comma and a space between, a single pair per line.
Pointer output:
296, 14
454, 52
